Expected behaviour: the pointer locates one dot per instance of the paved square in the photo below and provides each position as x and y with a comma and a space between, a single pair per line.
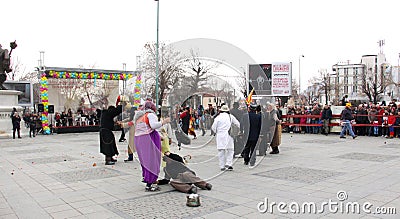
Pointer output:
170, 204
86, 174
322, 141
309, 168
368, 157
391, 145
29, 151
55, 159
196, 159
299, 174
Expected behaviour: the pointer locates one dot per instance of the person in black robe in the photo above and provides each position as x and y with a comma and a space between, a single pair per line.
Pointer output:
108, 147
185, 118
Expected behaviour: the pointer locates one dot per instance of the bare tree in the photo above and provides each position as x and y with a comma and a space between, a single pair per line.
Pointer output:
198, 70
170, 69
323, 83
373, 84
18, 70
242, 83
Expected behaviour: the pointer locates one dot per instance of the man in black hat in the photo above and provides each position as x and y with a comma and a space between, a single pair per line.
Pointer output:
250, 126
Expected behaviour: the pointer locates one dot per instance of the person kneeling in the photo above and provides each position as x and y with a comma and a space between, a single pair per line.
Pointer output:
181, 177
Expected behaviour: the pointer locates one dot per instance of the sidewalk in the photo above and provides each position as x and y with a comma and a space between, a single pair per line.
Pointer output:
64, 176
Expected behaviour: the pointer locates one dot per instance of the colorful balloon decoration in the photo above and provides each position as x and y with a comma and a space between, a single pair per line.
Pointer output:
78, 75
89, 75
136, 95
44, 87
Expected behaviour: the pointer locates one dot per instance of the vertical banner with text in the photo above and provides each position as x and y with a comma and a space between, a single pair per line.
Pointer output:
281, 74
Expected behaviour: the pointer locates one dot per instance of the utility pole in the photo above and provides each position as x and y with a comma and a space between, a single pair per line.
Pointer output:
300, 73
157, 53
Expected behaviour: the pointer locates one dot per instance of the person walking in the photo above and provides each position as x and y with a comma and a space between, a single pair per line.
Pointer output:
250, 126
346, 117
225, 145
326, 117
148, 143
16, 122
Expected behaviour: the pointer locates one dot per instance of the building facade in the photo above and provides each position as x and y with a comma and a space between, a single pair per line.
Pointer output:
350, 79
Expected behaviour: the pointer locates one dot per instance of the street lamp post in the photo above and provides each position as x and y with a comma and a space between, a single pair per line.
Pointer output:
299, 72
157, 64
124, 81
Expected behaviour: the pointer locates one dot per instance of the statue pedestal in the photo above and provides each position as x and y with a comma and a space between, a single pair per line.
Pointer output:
8, 100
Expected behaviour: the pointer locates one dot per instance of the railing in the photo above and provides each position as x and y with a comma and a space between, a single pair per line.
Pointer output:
332, 123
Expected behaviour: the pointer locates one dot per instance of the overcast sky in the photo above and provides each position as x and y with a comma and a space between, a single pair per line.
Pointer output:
105, 34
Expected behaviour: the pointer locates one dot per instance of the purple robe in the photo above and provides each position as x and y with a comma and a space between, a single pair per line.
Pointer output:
148, 148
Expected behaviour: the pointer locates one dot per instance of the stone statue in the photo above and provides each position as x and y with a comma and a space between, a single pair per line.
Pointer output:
5, 57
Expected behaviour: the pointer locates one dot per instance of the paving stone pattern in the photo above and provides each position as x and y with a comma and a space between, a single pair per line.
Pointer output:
30, 151
55, 159
299, 174
202, 158
320, 141
367, 157
166, 205
284, 148
391, 145
87, 174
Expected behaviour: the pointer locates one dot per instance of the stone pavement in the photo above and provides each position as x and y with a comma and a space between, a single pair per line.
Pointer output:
64, 176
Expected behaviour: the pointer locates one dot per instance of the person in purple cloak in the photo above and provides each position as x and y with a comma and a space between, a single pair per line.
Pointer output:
148, 143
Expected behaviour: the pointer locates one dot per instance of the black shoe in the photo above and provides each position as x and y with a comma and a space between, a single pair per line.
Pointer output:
113, 160
110, 162
355, 136
342, 137
193, 190
229, 168
246, 163
19, 137
163, 182
128, 160
274, 152
208, 186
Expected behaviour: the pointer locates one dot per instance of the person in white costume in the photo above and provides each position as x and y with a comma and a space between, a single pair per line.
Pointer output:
222, 124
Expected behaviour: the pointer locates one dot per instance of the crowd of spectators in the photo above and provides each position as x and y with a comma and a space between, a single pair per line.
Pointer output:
370, 119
